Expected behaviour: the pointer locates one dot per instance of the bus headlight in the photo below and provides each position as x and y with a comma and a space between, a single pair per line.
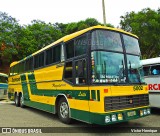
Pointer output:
107, 119
145, 112
120, 116
114, 118
141, 112
148, 111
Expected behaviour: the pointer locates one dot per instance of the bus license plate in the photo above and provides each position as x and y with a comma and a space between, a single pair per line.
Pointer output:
131, 113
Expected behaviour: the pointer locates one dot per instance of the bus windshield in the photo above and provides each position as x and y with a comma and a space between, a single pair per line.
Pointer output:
135, 69
108, 58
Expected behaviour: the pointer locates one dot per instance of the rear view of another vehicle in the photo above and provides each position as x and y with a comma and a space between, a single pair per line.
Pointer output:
151, 69
3, 86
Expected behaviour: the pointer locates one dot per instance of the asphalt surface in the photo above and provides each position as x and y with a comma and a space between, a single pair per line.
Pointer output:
32, 120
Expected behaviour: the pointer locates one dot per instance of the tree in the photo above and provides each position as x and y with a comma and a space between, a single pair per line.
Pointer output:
8, 41
145, 24
77, 26
36, 36
17, 42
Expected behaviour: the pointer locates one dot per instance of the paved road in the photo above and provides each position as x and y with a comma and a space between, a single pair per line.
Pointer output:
12, 116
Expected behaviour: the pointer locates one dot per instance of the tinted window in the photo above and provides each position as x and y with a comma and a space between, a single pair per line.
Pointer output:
81, 72
81, 45
16, 69
146, 71
56, 54
108, 67
155, 70
29, 64
68, 74
41, 59
36, 60
131, 45
49, 57
53, 55
21, 67
3, 79
135, 69
107, 40
70, 49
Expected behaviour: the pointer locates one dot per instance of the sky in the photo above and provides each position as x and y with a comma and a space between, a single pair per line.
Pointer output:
66, 11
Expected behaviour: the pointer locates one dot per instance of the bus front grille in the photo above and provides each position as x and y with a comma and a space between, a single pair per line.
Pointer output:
123, 102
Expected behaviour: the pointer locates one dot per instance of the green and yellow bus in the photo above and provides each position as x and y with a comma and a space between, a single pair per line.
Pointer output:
93, 75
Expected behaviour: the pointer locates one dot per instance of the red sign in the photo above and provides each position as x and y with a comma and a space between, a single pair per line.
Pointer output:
154, 86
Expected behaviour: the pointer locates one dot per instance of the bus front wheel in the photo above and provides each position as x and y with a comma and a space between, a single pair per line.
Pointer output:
63, 111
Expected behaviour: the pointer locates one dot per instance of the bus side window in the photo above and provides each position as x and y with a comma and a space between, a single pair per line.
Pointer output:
39, 60
29, 64
70, 49
80, 69
81, 45
146, 70
68, 73
57, 54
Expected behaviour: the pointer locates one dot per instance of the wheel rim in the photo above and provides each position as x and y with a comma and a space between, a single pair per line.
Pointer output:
64, 110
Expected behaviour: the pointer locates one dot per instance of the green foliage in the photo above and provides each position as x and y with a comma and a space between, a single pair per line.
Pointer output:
21, 41
71, 28
8, 35
36, 36
74, 27
8, 53
145, 24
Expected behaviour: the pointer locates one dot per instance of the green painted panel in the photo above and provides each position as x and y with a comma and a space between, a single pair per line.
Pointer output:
98, 118
24, 87
77, 94
81, 115
41, 106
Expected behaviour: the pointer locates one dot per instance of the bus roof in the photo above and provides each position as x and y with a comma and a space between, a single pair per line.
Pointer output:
150, 61
73, 35
2, 74
14, 63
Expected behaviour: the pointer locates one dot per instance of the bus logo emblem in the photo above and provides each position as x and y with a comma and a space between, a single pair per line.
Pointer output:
82, 94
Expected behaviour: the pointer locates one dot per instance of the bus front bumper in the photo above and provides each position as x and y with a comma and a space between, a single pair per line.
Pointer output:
121, 116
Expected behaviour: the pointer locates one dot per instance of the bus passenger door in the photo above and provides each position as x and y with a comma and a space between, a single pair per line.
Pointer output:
81, 90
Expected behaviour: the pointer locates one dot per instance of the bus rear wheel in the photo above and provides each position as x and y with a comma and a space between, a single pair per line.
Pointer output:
22, 101
17, 100
63, 111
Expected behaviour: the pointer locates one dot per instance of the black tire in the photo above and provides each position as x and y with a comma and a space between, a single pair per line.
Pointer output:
63, 111
21, 101
17, 100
